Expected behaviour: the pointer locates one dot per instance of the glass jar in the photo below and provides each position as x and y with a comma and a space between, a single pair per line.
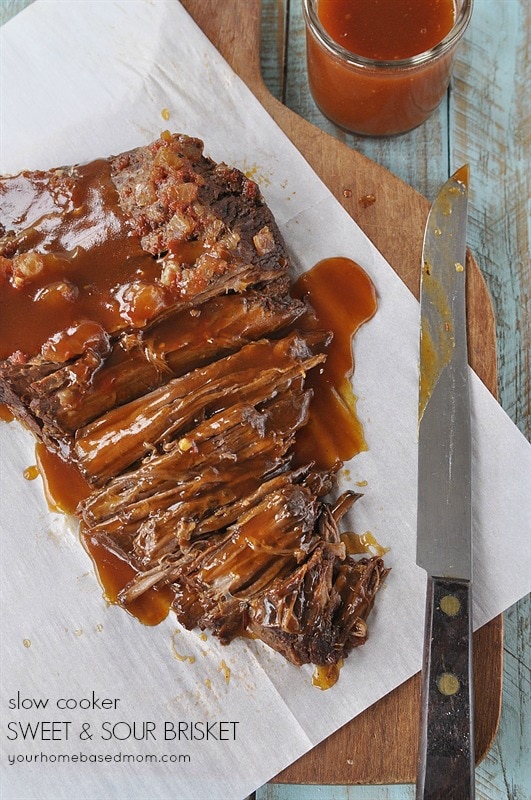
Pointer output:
378, 97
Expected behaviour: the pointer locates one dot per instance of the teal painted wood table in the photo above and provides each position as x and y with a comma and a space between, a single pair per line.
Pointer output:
484, 121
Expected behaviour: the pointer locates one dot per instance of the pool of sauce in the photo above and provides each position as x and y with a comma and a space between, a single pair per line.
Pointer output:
114, 573
64, 486
324, 677
344, 298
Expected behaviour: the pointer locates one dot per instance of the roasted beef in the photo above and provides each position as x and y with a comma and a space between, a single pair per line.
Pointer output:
148, 337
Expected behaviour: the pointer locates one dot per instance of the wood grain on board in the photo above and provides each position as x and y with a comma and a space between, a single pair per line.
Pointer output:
380, 745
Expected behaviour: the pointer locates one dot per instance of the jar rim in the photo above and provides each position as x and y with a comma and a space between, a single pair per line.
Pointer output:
452, 38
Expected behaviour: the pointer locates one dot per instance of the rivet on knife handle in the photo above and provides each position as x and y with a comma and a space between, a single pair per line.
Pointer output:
446, 748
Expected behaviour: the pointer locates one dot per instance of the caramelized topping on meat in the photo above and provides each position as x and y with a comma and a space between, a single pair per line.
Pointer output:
121, 241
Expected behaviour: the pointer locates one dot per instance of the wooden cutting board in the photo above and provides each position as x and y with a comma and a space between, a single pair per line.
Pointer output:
380, 745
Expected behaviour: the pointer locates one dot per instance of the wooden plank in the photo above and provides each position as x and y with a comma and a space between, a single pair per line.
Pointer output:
279, 791
274, 26
395, 223
491, 129
506, 770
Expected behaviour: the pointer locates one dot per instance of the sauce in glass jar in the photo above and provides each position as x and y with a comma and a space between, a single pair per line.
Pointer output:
387, 29
381, 68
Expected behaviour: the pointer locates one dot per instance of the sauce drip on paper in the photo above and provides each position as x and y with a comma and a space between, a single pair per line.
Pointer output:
64, 485
114, 573
326, 677
343, 297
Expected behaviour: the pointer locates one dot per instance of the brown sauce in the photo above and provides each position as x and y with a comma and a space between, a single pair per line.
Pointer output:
5, 413
75, 232
64, 486
324, 677
31, 473
114, 573
371, 99
343, 297
387, 29
64, 234
363, 543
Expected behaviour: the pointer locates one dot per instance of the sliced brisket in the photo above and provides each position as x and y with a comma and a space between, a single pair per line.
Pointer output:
148, 336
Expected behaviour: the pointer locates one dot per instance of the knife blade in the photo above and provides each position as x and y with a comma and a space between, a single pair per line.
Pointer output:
446, 742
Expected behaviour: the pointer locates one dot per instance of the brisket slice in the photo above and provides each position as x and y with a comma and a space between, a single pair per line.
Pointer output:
60, 398
164, 360
127, 433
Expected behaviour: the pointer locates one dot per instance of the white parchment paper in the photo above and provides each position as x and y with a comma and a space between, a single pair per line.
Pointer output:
86, 79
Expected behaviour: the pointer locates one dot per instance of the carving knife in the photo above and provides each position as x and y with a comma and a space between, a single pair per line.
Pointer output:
446, 744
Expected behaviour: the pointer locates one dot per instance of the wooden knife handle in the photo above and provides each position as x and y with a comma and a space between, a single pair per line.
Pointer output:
446, 748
